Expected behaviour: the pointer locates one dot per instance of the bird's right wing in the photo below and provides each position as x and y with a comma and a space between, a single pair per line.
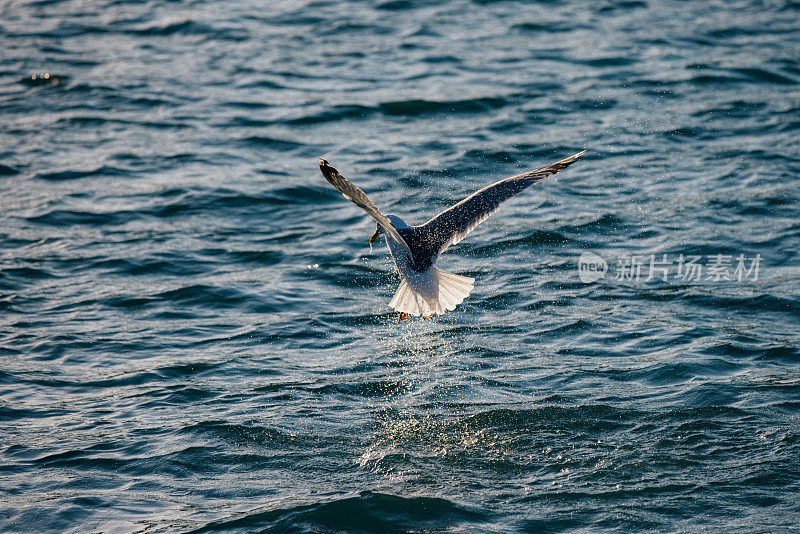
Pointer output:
453, 224
360, 199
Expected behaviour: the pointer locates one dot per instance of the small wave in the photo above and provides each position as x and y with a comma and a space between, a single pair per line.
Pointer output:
759, 302
75, 217
423, 107
761, 75
620, 5
368, 512
754, 351
535, 238
74, 174
585, 417
9, 414
739, 109
28, 273
597, 225
402, 108
204, 295
222, 199
607, 61
190, 27
396, 5
503, 156
6, 170
80, 459
546, 27
273, 143
240, 434
441, 59
782, 353
177, 395
363, 389
257, 257
169, 264
334, 113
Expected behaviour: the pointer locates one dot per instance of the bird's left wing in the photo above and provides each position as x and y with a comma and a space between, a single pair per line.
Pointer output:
360, 199
453, 224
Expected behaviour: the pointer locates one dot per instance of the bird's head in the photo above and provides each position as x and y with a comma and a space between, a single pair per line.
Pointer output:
378, 232
396, 221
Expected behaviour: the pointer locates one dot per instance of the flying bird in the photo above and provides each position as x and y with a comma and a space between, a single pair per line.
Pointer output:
424, 289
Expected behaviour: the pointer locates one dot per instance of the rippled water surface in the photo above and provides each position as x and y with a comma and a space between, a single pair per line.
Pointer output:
195, 335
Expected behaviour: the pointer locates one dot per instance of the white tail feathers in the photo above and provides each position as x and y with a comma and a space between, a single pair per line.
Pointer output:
433, 291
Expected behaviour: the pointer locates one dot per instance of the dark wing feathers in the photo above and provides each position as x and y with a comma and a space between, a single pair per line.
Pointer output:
360, 199
453, 224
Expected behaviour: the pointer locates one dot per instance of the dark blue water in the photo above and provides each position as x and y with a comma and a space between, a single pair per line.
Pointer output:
194, 334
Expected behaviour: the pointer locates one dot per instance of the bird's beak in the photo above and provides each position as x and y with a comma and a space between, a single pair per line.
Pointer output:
375, 236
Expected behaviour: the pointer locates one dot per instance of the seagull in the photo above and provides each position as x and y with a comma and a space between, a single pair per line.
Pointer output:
424, 289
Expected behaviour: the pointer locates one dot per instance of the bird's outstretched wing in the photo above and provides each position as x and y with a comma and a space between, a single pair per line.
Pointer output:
453, 224
360, 199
